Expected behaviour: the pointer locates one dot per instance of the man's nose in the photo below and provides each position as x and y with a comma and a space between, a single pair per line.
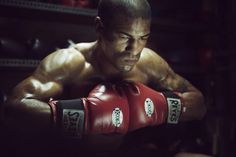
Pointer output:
133, 47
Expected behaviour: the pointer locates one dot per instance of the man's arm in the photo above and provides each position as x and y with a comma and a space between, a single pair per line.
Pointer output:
193, 100
27, 105
25, 109
161, 73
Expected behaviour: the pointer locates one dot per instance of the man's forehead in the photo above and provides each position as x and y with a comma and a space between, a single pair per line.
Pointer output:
130, 23
125, 18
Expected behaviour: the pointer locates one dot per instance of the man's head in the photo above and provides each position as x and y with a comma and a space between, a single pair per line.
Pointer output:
123, 28
111, 10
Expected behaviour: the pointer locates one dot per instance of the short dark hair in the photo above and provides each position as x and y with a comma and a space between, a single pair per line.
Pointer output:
109, 9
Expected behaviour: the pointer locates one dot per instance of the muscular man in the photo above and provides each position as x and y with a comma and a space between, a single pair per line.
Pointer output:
119, 53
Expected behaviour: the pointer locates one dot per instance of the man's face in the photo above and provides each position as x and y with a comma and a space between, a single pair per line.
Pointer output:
123, 43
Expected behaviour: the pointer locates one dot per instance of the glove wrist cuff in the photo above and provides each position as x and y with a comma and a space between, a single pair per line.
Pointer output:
174, 106
68, 116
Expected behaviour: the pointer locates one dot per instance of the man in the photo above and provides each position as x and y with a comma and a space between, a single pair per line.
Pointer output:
118, 55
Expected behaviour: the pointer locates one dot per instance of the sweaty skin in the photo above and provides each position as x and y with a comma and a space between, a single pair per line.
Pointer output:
119, 53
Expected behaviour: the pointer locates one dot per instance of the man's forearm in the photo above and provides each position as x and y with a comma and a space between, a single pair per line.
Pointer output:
27, 114
194, 107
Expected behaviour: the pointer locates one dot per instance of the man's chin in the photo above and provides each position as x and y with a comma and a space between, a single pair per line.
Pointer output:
126, 68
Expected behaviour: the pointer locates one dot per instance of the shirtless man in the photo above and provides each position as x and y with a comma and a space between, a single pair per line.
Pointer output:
119, 54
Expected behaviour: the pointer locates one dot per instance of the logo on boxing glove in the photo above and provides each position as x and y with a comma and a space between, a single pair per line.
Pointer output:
149, 107
73, 122
117, 117
174, 106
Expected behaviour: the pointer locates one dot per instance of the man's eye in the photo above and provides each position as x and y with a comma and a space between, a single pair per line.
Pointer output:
144, 38
124, 37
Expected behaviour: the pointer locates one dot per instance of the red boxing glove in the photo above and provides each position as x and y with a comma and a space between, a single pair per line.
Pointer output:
107, 110
104, 111
149, 107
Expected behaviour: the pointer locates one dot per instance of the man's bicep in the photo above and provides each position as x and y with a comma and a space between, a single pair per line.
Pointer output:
35, 88
175, 82
164, 75
53, 72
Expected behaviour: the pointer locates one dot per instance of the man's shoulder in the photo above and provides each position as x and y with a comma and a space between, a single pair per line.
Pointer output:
152, 64
76, 50
65, 56
62, 61
150, 55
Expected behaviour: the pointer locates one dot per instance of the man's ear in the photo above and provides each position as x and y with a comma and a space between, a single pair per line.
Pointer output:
98, 24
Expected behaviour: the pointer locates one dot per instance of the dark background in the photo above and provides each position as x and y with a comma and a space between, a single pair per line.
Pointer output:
197, 38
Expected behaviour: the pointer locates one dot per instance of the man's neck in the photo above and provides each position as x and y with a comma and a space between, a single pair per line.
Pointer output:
103, 65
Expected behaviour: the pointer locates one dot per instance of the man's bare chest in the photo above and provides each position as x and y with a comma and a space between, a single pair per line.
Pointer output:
82, 83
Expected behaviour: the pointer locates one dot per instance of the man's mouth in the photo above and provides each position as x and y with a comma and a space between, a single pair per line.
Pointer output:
130, 61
